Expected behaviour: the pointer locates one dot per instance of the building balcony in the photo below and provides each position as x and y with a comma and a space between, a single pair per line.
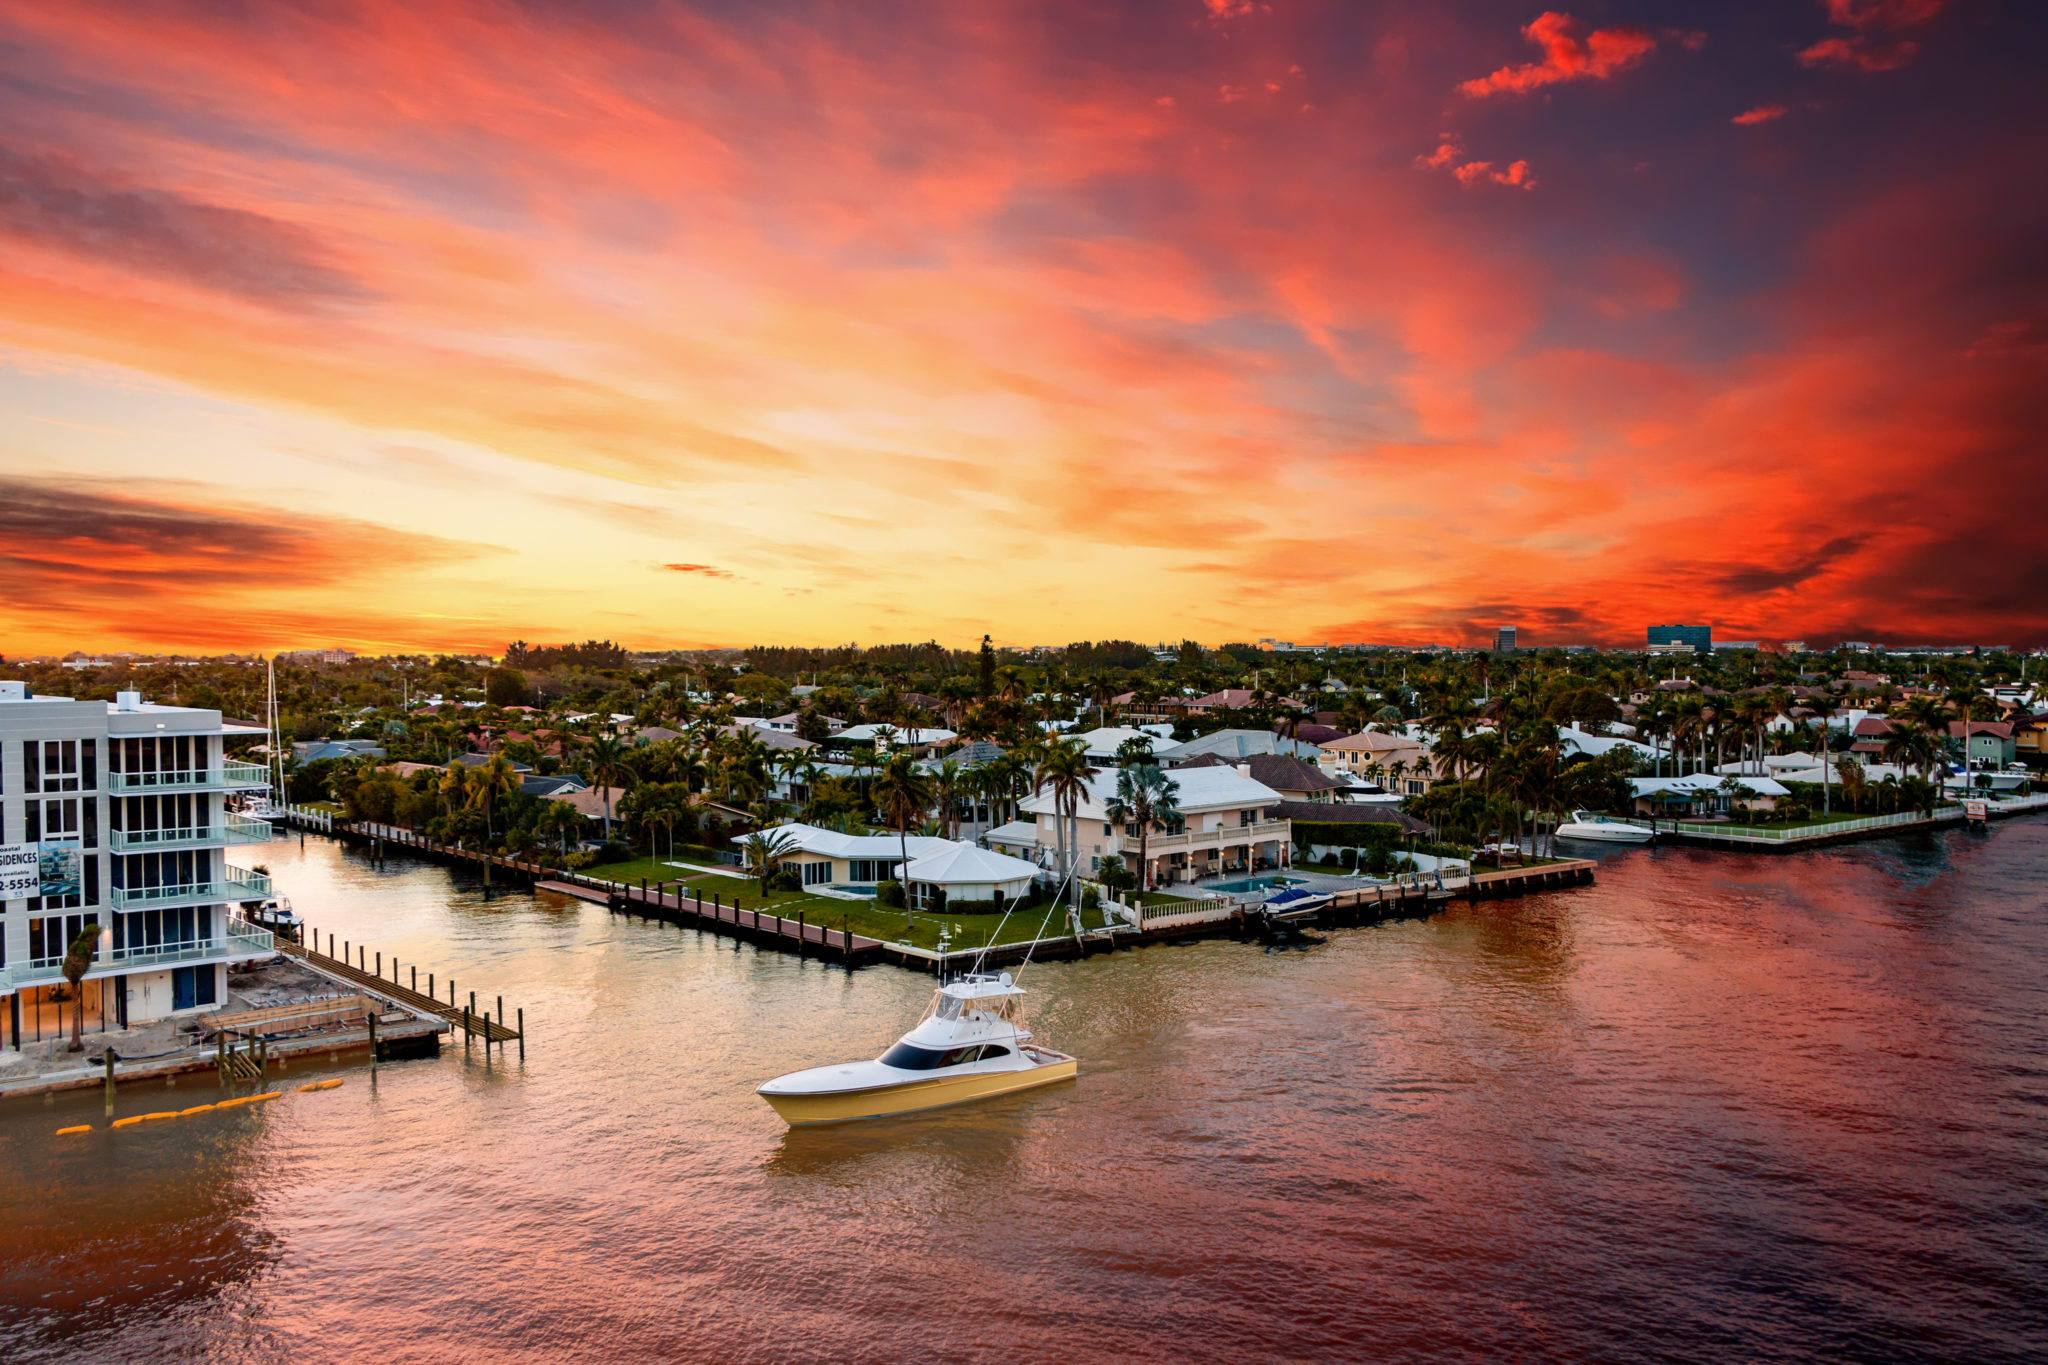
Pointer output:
235, 829
1227, 837
241, 940
229, 776
237, 885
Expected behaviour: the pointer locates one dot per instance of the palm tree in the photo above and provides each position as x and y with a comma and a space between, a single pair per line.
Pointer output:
610, 767
765, 851
1910, 745
948, 782
454, 788
560, 819
1145, 793
904, 792
77, 962
486, 784
1066, 771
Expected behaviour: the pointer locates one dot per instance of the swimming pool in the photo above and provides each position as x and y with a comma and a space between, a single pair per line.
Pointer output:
1255, 883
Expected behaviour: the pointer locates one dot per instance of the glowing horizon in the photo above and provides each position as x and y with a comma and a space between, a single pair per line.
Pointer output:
430, 327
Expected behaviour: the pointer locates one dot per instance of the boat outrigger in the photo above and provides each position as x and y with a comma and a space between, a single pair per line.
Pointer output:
971, 1044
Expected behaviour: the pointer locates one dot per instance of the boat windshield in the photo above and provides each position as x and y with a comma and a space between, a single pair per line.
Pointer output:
911, 1057
950, 1007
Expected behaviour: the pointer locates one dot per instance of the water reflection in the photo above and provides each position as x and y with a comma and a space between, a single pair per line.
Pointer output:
1715, 1106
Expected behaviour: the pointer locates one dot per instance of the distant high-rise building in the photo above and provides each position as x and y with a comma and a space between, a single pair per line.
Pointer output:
1504, 640
1701, 638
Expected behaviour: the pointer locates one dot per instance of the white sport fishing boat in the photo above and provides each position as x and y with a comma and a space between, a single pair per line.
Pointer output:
971, 1044
1592, 825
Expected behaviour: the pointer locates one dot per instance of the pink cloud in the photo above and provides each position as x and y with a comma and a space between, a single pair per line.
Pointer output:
1763, 113
1602, 53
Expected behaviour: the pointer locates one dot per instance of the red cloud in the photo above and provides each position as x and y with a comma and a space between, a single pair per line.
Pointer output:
1603, 53
1446, 152
1865, 51
1482, 172
705, 569
1883, 14
1860, 53
1763, 113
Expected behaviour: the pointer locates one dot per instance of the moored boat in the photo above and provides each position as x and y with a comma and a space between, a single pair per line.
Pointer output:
971, 1044
1592, 825
1294, 903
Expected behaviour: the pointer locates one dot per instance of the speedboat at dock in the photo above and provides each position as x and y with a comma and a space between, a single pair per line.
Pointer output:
1586, 824
1294, 903
971, 1044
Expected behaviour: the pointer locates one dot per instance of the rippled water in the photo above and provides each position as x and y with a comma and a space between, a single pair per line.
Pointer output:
1713, 1108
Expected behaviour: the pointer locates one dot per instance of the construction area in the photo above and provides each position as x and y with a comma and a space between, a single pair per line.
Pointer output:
278, 1010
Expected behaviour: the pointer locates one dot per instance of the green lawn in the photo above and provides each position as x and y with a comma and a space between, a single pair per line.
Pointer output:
654, 870
863, 917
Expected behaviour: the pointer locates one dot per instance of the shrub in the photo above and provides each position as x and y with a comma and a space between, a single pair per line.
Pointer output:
889, 893
786, 879
1091, 899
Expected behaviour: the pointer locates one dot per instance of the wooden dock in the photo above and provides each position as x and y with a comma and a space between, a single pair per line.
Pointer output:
800, 936
473, 1024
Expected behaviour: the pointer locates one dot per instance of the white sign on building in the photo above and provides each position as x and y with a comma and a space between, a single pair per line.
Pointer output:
20, 871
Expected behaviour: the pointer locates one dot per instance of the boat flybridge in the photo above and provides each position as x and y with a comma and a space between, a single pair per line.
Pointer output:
1586, 824
971, 1044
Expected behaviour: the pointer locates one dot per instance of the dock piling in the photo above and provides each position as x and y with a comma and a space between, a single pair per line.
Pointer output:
522, 1033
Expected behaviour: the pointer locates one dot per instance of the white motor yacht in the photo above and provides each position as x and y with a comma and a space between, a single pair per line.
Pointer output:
1586, 824
971, 1044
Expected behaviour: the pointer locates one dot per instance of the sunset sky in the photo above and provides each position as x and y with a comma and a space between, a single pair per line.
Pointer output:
431, 325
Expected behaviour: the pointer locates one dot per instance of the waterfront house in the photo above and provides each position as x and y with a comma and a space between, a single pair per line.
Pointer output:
1227, 824
856, 863
1704, 794
115, 815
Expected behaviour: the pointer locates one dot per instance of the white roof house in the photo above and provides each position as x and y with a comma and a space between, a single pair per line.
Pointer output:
1200, 789
825, 857
1102, 744
967, 873
911, 735
1572, 739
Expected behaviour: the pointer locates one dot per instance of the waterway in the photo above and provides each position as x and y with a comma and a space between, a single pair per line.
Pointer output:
1715, 1107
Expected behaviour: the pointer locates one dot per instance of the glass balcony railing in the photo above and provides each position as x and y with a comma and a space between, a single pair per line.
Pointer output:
229, 776
235, 829
241, 940
237, 885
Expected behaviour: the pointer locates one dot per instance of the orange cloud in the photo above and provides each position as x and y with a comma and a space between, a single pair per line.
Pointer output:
1763, 113
1602, 53
945, 326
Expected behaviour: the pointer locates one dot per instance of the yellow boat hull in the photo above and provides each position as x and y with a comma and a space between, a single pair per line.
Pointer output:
847, 1106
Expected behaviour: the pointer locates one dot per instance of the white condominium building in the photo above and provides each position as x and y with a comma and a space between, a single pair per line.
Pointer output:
114, 814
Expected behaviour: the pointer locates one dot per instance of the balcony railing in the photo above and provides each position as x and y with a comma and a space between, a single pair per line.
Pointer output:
237, 885
236, 829
229, 776
241, 940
